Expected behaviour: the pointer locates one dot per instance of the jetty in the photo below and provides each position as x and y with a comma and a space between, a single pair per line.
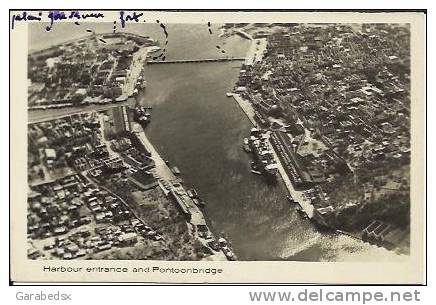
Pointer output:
245, 106
244, 35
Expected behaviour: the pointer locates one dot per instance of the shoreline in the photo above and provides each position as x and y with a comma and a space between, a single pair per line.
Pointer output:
139, 59
255, 51
172, 185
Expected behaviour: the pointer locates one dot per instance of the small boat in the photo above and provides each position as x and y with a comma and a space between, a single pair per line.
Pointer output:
143, 84
141, 115
291, 200
202, 203
246, 145
143, 120
192, 193
254, 166
175, 170
198, 202
301, 211
226, 247
256, 172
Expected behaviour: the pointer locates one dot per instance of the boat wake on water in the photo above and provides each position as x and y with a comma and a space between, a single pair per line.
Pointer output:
342, 248
345, 248
293, 250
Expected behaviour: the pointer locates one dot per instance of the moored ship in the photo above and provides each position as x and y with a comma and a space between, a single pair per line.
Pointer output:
141, 116
262, 154
226, 247
141, 83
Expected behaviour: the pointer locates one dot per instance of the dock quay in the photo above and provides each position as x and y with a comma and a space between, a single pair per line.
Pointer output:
245, 106
296, 195
139, 59
348, 234
182, 61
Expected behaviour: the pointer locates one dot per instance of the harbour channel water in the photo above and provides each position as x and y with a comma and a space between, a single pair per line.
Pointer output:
200, 130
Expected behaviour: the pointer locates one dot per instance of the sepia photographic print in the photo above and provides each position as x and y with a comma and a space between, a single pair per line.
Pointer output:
199, 147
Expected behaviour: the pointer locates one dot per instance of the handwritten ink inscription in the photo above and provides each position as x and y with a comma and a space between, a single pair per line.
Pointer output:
52, 16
